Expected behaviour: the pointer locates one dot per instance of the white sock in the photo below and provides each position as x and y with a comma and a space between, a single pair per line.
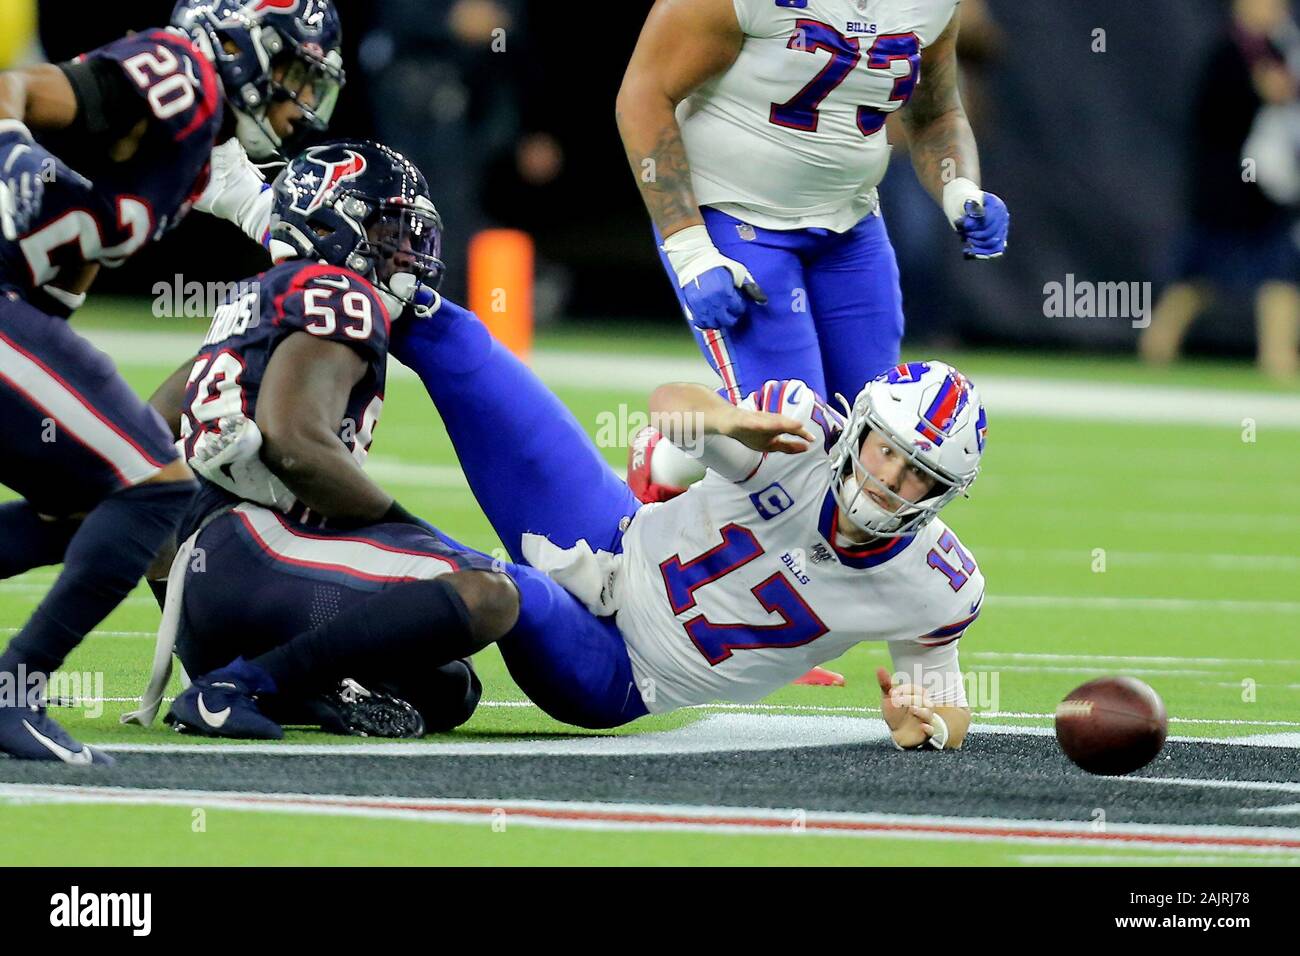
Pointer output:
671, 466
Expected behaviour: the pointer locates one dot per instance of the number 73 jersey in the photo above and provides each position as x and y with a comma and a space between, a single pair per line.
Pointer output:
792, 134
736, 588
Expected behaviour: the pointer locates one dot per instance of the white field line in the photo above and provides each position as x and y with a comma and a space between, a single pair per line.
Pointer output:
1004, 395
1256, 786
1142, 603
702, 819
1084, 558
722, 731
1122, 659
980, 715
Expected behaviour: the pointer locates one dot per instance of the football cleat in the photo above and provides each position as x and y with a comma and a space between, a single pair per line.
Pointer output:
639, 454
29, 733
821, 677
223, 704
359, 712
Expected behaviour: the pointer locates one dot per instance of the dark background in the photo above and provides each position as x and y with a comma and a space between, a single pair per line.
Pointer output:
1088, 149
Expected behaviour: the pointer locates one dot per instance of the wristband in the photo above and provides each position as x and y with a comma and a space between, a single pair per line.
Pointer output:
955, 196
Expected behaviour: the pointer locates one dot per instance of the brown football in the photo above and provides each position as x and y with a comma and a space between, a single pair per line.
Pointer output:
1112, 725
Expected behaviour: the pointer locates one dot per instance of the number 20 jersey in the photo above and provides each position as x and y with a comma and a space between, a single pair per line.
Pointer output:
734, 589
792, 134
293, 297
128, 204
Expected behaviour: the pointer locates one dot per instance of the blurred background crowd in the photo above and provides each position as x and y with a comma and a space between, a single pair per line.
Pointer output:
1155, 142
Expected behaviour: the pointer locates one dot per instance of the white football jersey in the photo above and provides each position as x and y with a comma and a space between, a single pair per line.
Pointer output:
737, 587
792, 135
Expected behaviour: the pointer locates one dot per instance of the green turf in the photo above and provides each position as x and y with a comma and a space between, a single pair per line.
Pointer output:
111, 835
1182, 512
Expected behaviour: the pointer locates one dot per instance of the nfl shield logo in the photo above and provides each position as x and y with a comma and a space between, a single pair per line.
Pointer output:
746, 232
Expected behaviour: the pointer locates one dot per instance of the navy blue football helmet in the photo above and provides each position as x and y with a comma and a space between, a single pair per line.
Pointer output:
267, 51
364, 207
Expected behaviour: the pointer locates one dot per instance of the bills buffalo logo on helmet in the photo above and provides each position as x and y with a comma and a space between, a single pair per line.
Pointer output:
311, 189
938, 421
907, 372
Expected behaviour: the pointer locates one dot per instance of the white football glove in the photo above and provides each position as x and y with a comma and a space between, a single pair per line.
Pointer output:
236, 191
231, 458
712, 284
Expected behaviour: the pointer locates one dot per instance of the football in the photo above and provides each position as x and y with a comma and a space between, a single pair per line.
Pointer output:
1112, 725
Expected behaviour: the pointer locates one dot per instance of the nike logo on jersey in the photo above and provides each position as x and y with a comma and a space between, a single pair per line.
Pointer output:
216, 720
82, 756
337, 282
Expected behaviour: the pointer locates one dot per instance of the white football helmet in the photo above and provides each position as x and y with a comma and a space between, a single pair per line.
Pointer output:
933, 415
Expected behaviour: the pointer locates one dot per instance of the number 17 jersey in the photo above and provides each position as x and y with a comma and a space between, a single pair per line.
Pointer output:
735, 588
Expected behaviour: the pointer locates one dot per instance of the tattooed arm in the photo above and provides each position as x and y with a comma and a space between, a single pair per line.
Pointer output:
945, 156
684, 44
941, 141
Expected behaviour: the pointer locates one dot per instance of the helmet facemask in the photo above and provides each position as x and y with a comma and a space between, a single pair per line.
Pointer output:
852, 481
401, 245
306, 78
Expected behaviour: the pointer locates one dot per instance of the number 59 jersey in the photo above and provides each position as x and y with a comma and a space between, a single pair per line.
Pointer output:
298, 296
735, 588
792, 134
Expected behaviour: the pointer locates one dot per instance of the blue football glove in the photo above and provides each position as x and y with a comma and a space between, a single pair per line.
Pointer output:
21, 186
981, 219
715, 288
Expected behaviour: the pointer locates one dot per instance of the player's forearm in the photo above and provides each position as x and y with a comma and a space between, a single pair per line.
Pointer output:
944, 149
169, 399
39, 96
683, 412
321, 473
647, 122
13, 96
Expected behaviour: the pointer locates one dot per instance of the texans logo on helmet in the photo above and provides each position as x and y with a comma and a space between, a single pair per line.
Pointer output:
317, 188
275, 6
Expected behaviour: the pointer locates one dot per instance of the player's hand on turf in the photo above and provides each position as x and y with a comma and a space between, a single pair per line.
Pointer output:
715, 287
906, 709
981, 219
764, 431
21, 186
